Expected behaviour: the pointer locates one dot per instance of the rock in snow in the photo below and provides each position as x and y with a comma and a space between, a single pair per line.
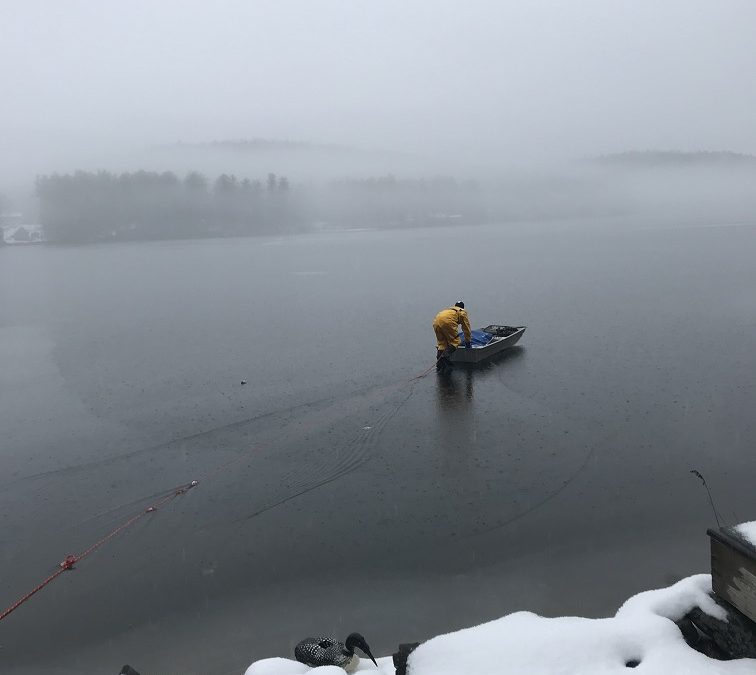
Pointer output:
641, 635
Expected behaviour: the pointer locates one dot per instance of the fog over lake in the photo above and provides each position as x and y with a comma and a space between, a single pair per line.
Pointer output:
226, 229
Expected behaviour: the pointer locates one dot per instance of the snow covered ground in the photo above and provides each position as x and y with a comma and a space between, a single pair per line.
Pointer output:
642, 636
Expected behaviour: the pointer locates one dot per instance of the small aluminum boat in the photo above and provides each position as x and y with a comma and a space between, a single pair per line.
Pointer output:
502, 337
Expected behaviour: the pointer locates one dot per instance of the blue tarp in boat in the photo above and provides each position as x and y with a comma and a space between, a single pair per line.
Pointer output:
479, 338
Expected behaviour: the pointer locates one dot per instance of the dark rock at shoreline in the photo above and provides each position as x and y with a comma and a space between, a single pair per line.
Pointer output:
723, 640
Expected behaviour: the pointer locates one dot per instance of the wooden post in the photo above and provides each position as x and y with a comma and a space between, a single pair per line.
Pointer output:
733, 569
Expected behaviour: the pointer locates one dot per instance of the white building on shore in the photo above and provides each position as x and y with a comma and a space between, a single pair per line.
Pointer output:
15, 231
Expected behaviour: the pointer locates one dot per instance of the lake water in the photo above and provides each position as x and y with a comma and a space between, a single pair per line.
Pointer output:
336, 494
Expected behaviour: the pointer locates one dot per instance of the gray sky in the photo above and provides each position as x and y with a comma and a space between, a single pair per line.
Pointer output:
526, 79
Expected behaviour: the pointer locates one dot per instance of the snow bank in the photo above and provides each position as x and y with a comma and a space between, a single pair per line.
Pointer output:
748, 530
642, 632
288, 667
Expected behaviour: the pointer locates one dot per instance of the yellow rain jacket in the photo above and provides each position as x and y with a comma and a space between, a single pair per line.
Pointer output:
445, 326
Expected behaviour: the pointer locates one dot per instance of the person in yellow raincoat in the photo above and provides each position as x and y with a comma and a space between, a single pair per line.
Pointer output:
447, 336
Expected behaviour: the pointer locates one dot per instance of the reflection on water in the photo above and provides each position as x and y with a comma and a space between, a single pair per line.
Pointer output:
454, 389
463, 443
455, 402
510, 354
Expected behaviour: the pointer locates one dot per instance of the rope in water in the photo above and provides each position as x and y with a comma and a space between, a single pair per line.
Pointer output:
71, 560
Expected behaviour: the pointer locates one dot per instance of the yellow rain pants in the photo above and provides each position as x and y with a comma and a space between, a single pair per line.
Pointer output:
445, 326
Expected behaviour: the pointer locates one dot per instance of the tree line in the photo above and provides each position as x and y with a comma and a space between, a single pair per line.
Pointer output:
97, 206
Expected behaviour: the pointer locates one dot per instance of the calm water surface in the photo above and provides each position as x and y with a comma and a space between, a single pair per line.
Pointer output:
335, 494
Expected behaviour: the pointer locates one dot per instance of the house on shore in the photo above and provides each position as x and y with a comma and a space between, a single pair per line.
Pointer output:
15, 231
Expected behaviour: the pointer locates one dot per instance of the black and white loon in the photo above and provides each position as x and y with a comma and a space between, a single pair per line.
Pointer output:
322, 651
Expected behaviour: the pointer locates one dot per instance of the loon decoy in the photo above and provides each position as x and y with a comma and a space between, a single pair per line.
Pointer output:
322, 651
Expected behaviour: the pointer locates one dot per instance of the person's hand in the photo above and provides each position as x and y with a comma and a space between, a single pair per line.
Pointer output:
468, 345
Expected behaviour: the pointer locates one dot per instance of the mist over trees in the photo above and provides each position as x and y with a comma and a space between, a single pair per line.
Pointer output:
98, 206
103, 206
387, 201
673, 159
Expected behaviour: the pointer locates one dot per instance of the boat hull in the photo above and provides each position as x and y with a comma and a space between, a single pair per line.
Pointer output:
496, 346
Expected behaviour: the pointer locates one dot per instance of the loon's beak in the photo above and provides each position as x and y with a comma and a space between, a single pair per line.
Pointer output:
364, 647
